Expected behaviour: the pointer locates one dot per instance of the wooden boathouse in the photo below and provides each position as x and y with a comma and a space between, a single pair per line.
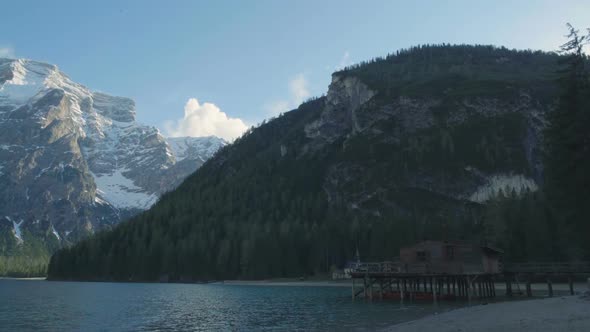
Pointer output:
433, 270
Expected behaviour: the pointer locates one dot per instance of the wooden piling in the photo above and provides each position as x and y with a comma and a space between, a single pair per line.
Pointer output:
529, 292
481, 289
571, 284
448, 279
549, 287
493, 286
479, 293
402, 289
468, 289
465, 287
462, 282
434, 290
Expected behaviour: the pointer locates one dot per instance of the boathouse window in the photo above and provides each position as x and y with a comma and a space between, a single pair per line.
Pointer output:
450, 252
421, 255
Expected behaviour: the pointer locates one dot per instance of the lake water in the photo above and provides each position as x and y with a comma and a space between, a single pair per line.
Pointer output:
66, 306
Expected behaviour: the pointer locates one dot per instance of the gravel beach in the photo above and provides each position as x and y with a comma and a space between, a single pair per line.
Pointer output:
568, 313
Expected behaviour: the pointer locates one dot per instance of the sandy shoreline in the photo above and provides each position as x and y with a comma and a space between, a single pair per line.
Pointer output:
568, 313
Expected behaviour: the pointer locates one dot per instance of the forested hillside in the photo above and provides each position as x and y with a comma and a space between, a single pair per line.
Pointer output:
433, 142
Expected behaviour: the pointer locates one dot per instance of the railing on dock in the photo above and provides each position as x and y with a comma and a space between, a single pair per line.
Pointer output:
376, 267
548, 267
431, 267
450, 280
462, 267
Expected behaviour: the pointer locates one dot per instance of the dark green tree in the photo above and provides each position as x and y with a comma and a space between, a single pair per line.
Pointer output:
568, 143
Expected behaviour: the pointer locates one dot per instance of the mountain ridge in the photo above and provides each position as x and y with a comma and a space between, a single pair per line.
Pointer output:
431, 142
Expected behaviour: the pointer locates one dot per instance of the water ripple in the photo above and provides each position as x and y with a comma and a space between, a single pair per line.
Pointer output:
76, 306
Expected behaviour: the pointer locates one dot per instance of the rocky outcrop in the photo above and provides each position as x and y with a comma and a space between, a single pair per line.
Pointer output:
346, 96
464, 149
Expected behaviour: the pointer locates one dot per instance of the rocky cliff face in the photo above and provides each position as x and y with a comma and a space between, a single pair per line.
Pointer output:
73, 161
436, 140
346, 96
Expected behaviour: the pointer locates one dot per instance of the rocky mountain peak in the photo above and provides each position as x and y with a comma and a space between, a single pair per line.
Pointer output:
117, 108
73, 160
195, 147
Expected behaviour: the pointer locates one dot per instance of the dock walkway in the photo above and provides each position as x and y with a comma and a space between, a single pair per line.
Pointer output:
424, 281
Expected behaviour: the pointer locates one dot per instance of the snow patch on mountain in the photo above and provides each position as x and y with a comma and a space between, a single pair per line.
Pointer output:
121, 192
55, 233
201, 147
21, 86
29, 78
17, 231
505, 183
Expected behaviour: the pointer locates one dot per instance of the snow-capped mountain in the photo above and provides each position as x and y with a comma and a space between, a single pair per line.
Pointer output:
74, 160
201, 148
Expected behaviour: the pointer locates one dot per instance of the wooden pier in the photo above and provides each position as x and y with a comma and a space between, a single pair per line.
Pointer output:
424, 286
446, 270
546, 271
431, 270
393, 280
386, 280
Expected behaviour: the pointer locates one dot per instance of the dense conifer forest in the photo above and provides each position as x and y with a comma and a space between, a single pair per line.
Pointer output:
26, 259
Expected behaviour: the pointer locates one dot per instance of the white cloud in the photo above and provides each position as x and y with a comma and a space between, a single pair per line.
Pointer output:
298, 92
298, 88
205, 120
277, 107
344, 61
6, 52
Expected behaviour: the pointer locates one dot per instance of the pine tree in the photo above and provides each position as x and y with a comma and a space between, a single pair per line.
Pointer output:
568, 142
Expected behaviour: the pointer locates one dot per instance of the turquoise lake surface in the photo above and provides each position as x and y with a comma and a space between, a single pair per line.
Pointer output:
38, 305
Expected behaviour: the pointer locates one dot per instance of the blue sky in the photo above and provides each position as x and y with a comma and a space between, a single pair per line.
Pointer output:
252, 59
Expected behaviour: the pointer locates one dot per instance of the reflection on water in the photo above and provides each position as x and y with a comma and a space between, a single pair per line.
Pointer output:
44, 305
